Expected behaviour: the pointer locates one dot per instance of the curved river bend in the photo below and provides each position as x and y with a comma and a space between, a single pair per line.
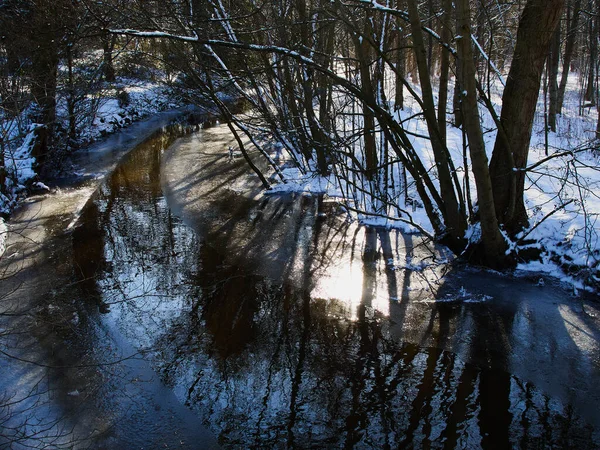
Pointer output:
271, 321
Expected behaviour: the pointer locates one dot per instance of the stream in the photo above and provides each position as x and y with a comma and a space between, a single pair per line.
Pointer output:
188, 309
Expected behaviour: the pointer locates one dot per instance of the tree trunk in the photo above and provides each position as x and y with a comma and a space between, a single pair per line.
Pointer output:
319, 139
108, 68
519, 100
400, 67
454, 218
572, 24
493, 242
71, 93
2, 168
598, 122
590, 92
553, 61
44, 66
444, 68
456, 99
595, 37
363, 51
326, 40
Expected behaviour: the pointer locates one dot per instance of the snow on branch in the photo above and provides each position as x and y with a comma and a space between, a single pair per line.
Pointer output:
404, 16
155, 34
487, 58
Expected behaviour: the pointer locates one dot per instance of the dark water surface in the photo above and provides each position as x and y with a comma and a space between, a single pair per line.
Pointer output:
280, 324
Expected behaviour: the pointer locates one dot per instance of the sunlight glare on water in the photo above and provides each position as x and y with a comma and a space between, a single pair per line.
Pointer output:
347, 286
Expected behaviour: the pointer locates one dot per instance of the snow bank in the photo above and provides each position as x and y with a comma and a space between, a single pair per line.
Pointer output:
114, 107
21, 163
562, 194
3, 236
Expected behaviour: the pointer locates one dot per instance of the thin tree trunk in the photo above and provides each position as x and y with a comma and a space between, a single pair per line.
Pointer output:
43, 88
444, 68
590, 92
306, 75
363, 52
572, 24
454, 218
400, 67
2, 168
553, 61
493, 242
595, 37
456, 99
108, 68
327, 42
71, 93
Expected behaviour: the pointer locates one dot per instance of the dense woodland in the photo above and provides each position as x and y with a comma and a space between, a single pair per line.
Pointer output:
334, 85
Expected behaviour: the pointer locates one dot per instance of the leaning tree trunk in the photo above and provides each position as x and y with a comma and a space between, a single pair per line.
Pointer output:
493, 242
553, 61
519, 100
572, 24
454, 216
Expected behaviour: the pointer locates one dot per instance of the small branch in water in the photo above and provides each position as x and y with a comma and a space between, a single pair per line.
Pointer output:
73, 366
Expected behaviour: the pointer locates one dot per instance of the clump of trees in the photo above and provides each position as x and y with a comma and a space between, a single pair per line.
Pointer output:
328, 77
330, 81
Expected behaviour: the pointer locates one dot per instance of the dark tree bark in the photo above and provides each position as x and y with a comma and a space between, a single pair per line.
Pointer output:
493, 242
553, 62
363, 50
71, 93
2, 168
456, 100
509, 158
595, 37
571, 37
319, 138
454, 217
444, 67
326, 42
590, 92
400, 60
108, 45
44, 68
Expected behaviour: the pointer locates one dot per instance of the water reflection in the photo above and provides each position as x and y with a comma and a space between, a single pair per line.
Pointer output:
282, 325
